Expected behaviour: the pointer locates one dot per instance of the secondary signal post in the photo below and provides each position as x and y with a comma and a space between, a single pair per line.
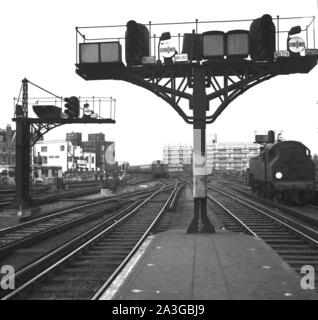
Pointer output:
47, 120
22, 173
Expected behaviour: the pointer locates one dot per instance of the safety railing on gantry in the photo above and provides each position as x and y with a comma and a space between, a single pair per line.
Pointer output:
293, 35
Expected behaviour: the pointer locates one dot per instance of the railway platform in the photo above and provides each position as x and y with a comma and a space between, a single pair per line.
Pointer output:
174, 265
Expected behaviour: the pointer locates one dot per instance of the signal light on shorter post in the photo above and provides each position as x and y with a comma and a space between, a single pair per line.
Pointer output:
72, 106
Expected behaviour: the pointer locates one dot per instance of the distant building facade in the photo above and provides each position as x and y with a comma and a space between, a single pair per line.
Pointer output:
230, 156
75, 138
220, 156
62, 153
7, 147
75, 154
176, 155
104, 150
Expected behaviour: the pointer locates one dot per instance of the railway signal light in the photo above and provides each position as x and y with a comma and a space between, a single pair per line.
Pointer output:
262, 39
192, 46
237, 44
295, 45
100, 52
213, 44
19, 111
72, 107
136, 43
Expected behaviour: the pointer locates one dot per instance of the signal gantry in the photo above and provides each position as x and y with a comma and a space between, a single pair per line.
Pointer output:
211, 66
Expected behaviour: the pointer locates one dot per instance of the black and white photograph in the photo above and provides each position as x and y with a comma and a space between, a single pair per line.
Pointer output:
159, 155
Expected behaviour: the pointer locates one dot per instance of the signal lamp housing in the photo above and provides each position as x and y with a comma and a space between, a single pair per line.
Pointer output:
136, 43
296, 45
213, 44
100, 52
192, 46
237, 44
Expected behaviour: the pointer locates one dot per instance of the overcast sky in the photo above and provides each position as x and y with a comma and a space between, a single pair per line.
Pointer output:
38, 42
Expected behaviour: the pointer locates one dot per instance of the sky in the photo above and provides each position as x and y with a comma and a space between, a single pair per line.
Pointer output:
38, 42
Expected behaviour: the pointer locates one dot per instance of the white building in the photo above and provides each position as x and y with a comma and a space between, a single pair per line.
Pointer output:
61, 153
224, 156
229, 156
177, 155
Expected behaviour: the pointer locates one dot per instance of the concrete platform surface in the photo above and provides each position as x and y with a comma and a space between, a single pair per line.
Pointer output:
222, 266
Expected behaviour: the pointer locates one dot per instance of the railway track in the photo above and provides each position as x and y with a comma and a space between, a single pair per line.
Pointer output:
295, 242
43, 193
306, 214
79, 269
32, 231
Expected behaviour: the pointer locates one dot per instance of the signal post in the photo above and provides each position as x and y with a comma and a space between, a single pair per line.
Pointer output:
199, 105
30, 130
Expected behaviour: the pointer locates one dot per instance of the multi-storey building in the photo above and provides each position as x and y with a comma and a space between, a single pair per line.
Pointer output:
177, 155
224, 156
7, 148
232, 156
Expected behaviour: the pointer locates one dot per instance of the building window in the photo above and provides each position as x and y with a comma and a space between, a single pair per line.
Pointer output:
44, 160
69, 159
43, 149
93, 160
51, 157
57, 157
62, 148
4, 150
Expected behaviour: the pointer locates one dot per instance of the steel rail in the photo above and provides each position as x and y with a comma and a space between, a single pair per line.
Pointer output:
75, 208
234, 216
36, 264
306, 236
136, 247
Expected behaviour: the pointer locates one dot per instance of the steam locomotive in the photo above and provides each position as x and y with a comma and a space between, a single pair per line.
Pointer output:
283, 171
